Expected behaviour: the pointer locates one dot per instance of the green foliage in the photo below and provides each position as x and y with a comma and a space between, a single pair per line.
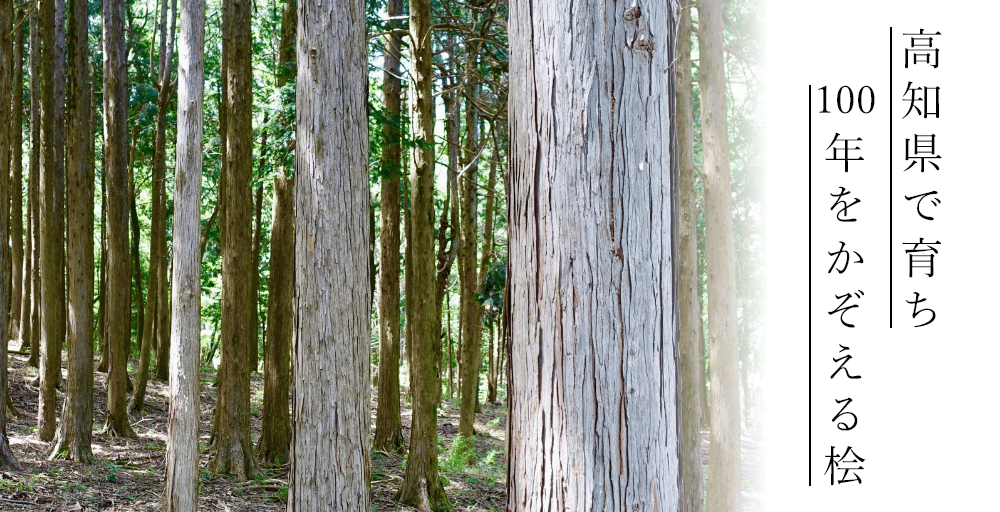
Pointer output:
460, 454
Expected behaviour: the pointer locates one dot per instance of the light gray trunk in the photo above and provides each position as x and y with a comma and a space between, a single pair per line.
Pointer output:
724, 451
181, 489
330, 437
593, 383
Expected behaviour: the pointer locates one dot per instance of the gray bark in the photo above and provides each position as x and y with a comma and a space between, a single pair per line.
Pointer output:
724, 451
181, 488
593, 389
330, 454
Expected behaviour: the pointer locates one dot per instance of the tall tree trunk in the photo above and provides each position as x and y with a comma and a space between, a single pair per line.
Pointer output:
102, 295
7, 459
78, 407
330, 462
145, 316
116, 167
233, 451
421, 485
181, 488
724, 450
471, 331
592, 390
687, 276
22, 288
16, 185
33, 186
388, 423
140, 311
50, 344
276, 433
484, 268
253, 349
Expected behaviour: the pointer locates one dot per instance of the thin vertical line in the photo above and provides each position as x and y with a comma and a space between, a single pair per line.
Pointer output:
809, 452
890, 177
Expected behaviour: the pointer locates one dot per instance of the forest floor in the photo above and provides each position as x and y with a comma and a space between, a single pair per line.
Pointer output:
127, 474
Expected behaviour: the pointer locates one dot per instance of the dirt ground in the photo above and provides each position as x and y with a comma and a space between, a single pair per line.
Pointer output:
128, 474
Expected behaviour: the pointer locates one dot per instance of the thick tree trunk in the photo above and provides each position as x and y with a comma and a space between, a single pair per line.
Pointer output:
78, 407
687, 277
724, 452
7, 459
593, 384
52, 168
330, 462
233, 451
421, 485
181, 488
17, 240
116, 167
388, 423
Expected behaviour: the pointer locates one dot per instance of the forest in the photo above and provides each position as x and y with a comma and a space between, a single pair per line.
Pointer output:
435, 255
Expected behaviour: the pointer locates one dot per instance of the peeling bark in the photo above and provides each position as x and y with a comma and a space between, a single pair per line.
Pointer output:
593, 382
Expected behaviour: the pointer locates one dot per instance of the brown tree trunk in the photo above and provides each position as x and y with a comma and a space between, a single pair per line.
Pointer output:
421, 485
163, 313
724, 452
16, 185
33, 187
78, 407
145, 316
22, 283
7, 459
116, 167
388, 423
592, 390
691, 485
491, 370
233, 451
102, 295
50, 344
330, 462
181, 488
253, 349
471, 331
451, 355
484, 268
276, 433
134, 240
